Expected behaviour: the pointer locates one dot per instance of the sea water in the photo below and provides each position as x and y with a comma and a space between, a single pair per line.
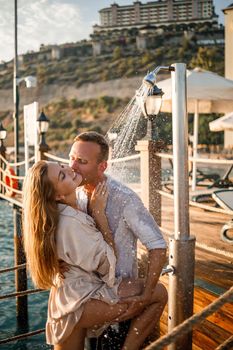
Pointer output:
37, 303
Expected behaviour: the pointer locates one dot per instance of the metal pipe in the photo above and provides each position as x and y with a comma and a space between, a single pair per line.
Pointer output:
180, 151
195, 143
181, 245
16, 92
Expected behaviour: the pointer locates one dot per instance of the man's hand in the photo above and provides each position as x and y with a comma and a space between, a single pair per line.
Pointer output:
136, 302
63, 267
135, 307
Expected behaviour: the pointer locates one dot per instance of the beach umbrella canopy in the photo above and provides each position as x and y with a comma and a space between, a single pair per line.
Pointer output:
207, 92
223, 123
213, 93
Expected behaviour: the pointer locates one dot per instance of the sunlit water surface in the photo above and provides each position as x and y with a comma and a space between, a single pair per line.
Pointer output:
37, 304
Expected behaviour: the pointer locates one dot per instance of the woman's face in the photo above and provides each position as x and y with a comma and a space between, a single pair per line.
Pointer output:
64, 179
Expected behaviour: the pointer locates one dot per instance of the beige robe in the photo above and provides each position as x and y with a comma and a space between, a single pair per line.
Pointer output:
91, 274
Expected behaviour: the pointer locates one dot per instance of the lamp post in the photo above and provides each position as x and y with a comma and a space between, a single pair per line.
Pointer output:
150, 164
19, 256
42, 126
30, 82
2, 152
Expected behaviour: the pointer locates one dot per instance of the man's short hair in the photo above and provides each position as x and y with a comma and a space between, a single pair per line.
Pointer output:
92, 136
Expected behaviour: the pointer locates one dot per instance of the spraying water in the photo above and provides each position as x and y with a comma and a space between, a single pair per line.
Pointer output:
126, 125
125, 128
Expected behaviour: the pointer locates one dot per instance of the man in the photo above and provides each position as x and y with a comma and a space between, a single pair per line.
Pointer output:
128, 219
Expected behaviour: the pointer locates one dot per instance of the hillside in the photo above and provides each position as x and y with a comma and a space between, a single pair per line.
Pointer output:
87, 92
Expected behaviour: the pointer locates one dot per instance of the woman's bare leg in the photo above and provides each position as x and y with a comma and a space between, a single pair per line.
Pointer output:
97, 313
74, 342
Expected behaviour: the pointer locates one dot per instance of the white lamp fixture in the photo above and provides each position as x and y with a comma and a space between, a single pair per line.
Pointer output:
151, 104
30, 81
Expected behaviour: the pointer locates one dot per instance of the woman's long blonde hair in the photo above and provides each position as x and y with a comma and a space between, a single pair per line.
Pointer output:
40, 220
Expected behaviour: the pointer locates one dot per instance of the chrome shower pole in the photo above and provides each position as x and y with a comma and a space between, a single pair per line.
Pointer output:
181, 245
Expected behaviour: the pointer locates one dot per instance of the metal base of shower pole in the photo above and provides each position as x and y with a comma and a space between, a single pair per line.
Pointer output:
181, 288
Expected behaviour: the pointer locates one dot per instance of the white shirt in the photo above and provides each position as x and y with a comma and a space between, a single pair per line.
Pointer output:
129, 220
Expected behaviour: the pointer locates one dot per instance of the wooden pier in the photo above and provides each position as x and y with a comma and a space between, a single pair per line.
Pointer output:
213, 266
213, 275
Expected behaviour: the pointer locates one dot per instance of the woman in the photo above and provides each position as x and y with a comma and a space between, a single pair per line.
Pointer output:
89, 297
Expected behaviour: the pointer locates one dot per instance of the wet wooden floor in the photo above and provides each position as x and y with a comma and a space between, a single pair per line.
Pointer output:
213, 275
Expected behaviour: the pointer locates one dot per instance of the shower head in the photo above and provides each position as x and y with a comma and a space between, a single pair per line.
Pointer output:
150, 79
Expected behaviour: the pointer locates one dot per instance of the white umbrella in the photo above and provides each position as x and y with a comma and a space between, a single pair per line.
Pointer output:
207, 92
223, 123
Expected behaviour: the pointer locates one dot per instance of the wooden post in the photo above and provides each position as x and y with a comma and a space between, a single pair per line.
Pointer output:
20, 275
43, 148
151, 176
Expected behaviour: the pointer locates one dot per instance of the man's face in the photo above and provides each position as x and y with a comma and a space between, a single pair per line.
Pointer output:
84, 159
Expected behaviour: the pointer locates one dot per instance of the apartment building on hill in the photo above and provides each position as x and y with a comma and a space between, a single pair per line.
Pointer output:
157, 13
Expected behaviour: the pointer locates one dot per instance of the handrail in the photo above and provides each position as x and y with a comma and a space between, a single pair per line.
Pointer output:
12, 176
124, 159
118, 160
17, 163
211, 161
202, 245
192, 321
22, 336
17, 267
12, 200
21, 294
198, 160
59, 159
10, 188
199, 205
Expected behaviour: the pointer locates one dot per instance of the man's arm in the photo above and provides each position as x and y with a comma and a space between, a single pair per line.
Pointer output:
156, 261
147, 231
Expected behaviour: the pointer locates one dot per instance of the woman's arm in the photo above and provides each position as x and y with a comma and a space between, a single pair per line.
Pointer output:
97, 208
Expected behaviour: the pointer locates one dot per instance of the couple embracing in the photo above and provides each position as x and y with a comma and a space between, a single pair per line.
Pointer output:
91, 222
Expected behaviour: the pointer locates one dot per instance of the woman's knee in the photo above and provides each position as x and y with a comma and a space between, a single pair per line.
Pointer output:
160, 294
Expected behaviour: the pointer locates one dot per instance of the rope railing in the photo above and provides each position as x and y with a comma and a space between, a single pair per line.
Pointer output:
226, 344
16, 163
194, 320
124, 159
22, 336
17, 267
175, 334
118, 160
4, 172
10, 188
15, 201
199, 205
21, 294
202, 245
198, 160
58, 159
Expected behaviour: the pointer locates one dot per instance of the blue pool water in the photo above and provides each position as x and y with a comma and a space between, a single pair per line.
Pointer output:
37, 304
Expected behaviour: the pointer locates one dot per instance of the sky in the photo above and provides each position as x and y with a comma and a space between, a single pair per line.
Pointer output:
56, 22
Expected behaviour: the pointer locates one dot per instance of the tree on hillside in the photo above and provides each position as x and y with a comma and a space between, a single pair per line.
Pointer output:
205, 58
117, 53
